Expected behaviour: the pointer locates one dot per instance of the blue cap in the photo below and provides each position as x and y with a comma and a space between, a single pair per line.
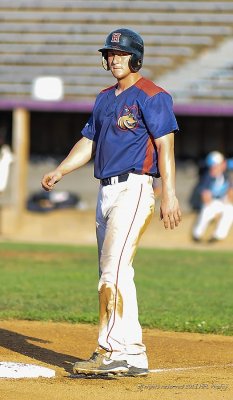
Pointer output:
214, 158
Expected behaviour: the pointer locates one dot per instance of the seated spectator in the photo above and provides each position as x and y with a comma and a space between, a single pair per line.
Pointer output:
216, 194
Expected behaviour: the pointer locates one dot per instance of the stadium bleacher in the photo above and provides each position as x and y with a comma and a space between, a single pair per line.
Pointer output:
61, 38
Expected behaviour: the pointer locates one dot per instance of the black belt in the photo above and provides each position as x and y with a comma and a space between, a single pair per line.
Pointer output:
114, 179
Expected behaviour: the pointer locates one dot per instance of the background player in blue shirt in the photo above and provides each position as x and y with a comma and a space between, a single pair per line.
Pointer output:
131, 135
216, 196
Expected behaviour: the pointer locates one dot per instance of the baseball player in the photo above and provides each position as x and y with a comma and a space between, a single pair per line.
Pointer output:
216, 194
131, 134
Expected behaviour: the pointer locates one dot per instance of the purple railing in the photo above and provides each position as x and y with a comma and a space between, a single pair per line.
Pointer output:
86, 106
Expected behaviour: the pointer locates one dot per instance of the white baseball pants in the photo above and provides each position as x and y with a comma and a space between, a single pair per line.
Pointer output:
211, 211
123, 212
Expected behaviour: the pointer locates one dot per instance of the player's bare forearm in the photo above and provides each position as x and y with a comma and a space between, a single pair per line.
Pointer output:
80, 154
169, 209
206, 196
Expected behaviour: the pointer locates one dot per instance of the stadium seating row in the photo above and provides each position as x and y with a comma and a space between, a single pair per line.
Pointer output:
121, 5
61, 38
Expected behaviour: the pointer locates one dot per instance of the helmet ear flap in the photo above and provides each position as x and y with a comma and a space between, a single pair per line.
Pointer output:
105, 61
135, 63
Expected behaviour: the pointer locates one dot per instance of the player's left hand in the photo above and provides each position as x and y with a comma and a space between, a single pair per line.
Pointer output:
170, 212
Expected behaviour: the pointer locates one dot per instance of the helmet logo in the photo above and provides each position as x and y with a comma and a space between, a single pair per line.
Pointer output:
116, 37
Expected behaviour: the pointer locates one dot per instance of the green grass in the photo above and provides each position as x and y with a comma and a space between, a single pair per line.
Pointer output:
177, 290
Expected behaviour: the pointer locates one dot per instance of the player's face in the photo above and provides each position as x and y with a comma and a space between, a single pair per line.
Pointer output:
218, 169
118, 62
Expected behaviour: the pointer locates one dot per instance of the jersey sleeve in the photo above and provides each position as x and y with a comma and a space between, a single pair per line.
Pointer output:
205, 182
159, 116
89, 130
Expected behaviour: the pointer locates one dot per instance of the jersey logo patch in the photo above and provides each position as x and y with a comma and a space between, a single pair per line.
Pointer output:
128, 118
116, 37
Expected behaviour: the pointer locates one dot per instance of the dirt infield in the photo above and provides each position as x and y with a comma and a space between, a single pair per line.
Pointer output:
190, 366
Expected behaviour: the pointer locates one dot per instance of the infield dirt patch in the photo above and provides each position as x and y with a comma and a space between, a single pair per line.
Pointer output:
58, 345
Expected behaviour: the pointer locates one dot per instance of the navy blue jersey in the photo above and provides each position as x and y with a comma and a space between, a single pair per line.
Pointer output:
218, 186
124, 128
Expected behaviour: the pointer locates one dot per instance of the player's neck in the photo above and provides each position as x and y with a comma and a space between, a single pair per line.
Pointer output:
125, 83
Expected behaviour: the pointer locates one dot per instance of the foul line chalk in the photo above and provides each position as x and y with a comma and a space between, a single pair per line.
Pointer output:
21, 370
155, 371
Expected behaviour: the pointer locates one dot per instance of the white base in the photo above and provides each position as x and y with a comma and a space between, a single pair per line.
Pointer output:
20, 370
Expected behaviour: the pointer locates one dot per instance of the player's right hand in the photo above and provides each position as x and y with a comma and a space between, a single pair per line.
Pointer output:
50, 179
170, 212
